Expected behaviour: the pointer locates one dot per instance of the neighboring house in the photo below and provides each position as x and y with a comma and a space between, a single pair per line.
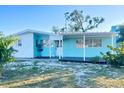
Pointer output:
114, 28
33, 44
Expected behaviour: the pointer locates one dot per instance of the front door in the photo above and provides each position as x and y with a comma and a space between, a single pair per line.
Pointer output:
58, 48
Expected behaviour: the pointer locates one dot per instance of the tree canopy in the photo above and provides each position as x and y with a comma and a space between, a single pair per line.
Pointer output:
76, 21
6, 50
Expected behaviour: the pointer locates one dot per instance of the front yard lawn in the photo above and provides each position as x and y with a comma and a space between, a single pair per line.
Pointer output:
51, 73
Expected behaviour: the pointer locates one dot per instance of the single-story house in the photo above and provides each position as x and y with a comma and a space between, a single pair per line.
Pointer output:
37, 44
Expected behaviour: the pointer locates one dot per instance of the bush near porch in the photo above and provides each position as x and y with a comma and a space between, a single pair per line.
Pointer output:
117, 57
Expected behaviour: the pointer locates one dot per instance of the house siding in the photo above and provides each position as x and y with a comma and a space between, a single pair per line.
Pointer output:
29, 49
70, 49
45, 49
26, 49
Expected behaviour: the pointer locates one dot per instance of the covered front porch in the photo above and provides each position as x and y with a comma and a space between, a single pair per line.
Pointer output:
84, 45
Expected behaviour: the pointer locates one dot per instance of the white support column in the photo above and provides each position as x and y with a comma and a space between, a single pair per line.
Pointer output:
50, 48
84, 47
59, 49
62, 47
112, 42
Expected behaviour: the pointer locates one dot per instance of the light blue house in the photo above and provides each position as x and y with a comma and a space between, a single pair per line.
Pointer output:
37, 44
88, 44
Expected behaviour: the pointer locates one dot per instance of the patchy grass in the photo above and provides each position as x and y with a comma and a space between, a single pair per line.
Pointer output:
33, 80
109, 82
62, 81
49, 73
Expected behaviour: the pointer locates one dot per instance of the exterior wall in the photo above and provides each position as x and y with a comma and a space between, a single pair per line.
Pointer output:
29, 49
95, 51
70, 50
45, 52
26, 49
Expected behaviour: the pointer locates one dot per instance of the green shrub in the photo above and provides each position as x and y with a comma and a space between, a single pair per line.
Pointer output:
6, 50
117, 58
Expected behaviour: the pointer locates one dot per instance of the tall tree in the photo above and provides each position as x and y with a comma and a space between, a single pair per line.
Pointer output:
76, 21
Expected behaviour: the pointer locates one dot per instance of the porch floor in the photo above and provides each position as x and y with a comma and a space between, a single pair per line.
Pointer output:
80, 59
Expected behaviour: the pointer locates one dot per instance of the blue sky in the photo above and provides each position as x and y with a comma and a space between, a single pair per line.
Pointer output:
17, 18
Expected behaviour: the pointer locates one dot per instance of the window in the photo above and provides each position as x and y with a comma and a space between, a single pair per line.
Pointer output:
45, 43
42, 43
89, 42
19, 43
97, 43
79, 43
39, 43
57, 43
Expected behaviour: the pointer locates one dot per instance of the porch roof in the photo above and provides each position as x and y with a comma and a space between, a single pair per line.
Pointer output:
88, 34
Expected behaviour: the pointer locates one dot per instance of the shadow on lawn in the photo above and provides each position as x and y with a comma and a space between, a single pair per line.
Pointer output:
34, 80
60, 82
110, 82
